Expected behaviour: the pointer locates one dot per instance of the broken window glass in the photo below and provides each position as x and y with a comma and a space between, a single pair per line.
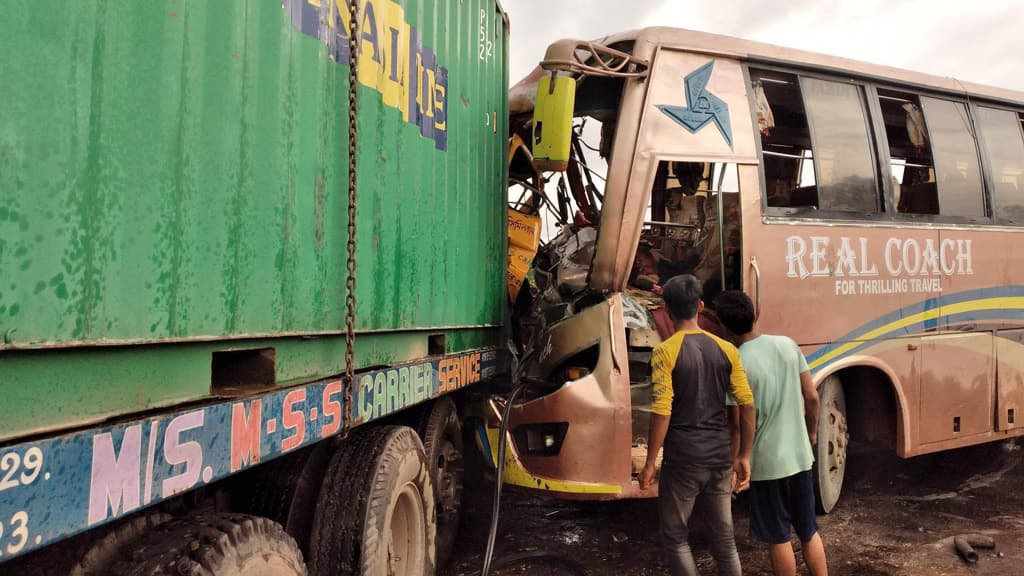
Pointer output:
785, 140
910, 153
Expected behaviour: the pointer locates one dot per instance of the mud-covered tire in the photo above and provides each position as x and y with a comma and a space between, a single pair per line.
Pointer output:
285, 490
105, 552
830, 459
215, 545
93, 553
375, 514
442, 437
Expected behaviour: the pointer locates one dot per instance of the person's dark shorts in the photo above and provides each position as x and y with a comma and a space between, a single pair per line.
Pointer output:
775, 505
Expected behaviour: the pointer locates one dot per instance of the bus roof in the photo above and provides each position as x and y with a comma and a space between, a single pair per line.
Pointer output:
692, 40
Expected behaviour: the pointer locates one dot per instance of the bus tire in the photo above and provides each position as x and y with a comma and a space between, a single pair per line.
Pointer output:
441, 432
375, 513
103, 553
215, 545
830, 459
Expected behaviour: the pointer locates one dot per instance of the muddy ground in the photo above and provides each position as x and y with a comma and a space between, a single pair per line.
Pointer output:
896, 517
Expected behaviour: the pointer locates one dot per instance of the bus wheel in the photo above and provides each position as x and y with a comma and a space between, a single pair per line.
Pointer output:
442, 443
215, 545
375, 515
830, 461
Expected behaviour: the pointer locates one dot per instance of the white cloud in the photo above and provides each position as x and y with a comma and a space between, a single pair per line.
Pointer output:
977, 41
537, 23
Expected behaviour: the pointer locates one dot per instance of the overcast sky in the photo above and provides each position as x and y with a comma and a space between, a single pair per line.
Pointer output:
979, 40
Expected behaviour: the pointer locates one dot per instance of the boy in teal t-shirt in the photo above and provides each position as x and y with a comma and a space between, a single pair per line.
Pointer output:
781, 482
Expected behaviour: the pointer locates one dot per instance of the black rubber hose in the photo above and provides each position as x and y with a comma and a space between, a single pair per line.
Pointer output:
500, 471
488, 562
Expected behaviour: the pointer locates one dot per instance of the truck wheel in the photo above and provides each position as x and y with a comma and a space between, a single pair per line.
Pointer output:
215, 545
442, 443
116, 544
375, 514
285, 490
830, 461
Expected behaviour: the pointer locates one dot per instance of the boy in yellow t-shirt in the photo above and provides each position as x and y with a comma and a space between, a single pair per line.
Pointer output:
693, 373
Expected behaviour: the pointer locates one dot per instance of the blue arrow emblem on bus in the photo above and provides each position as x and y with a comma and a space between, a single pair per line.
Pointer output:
702, 106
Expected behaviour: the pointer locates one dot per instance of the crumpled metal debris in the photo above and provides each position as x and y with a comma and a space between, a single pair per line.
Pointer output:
574, 253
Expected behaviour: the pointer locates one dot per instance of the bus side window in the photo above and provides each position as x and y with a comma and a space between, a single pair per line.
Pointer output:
815, 144
1004, 148
913, 169
844, 164
934, 156
957, 167
785, 140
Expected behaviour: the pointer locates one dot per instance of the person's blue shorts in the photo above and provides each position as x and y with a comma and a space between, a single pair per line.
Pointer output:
775, 505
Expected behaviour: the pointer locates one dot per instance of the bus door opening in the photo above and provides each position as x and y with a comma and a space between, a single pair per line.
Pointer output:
692, 226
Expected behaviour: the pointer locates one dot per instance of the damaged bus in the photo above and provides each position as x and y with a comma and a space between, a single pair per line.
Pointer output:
871, 214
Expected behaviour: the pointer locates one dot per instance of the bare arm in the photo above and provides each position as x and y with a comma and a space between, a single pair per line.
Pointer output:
811, 405
734, 431
655, 440
748, 419
748, 424
741, 464
661, 413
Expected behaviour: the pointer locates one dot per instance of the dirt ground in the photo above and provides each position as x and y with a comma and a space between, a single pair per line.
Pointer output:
896, 517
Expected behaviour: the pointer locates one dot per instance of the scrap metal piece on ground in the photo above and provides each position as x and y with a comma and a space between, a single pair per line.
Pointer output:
966, 543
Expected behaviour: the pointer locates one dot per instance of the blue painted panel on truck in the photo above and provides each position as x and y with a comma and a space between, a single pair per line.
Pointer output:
56, 487
178, 170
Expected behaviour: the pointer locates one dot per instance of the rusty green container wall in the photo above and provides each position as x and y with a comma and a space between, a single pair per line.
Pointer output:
176, 171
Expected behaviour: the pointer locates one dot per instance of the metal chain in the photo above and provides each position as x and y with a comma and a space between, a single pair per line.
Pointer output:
350, 282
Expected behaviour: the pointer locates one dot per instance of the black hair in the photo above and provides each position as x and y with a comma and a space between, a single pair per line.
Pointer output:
712, 288
682, 296
689, 175
735, 311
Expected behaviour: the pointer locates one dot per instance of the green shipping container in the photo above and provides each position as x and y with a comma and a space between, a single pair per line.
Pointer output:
174, 183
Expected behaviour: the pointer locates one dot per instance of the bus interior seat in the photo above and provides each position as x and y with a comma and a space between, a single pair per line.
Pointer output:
920, 198
804, 196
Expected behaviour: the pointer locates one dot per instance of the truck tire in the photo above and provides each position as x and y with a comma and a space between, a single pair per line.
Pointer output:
830, 460
285, 490
93, 553
215, 545
116, 544
375, 514
441, 432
